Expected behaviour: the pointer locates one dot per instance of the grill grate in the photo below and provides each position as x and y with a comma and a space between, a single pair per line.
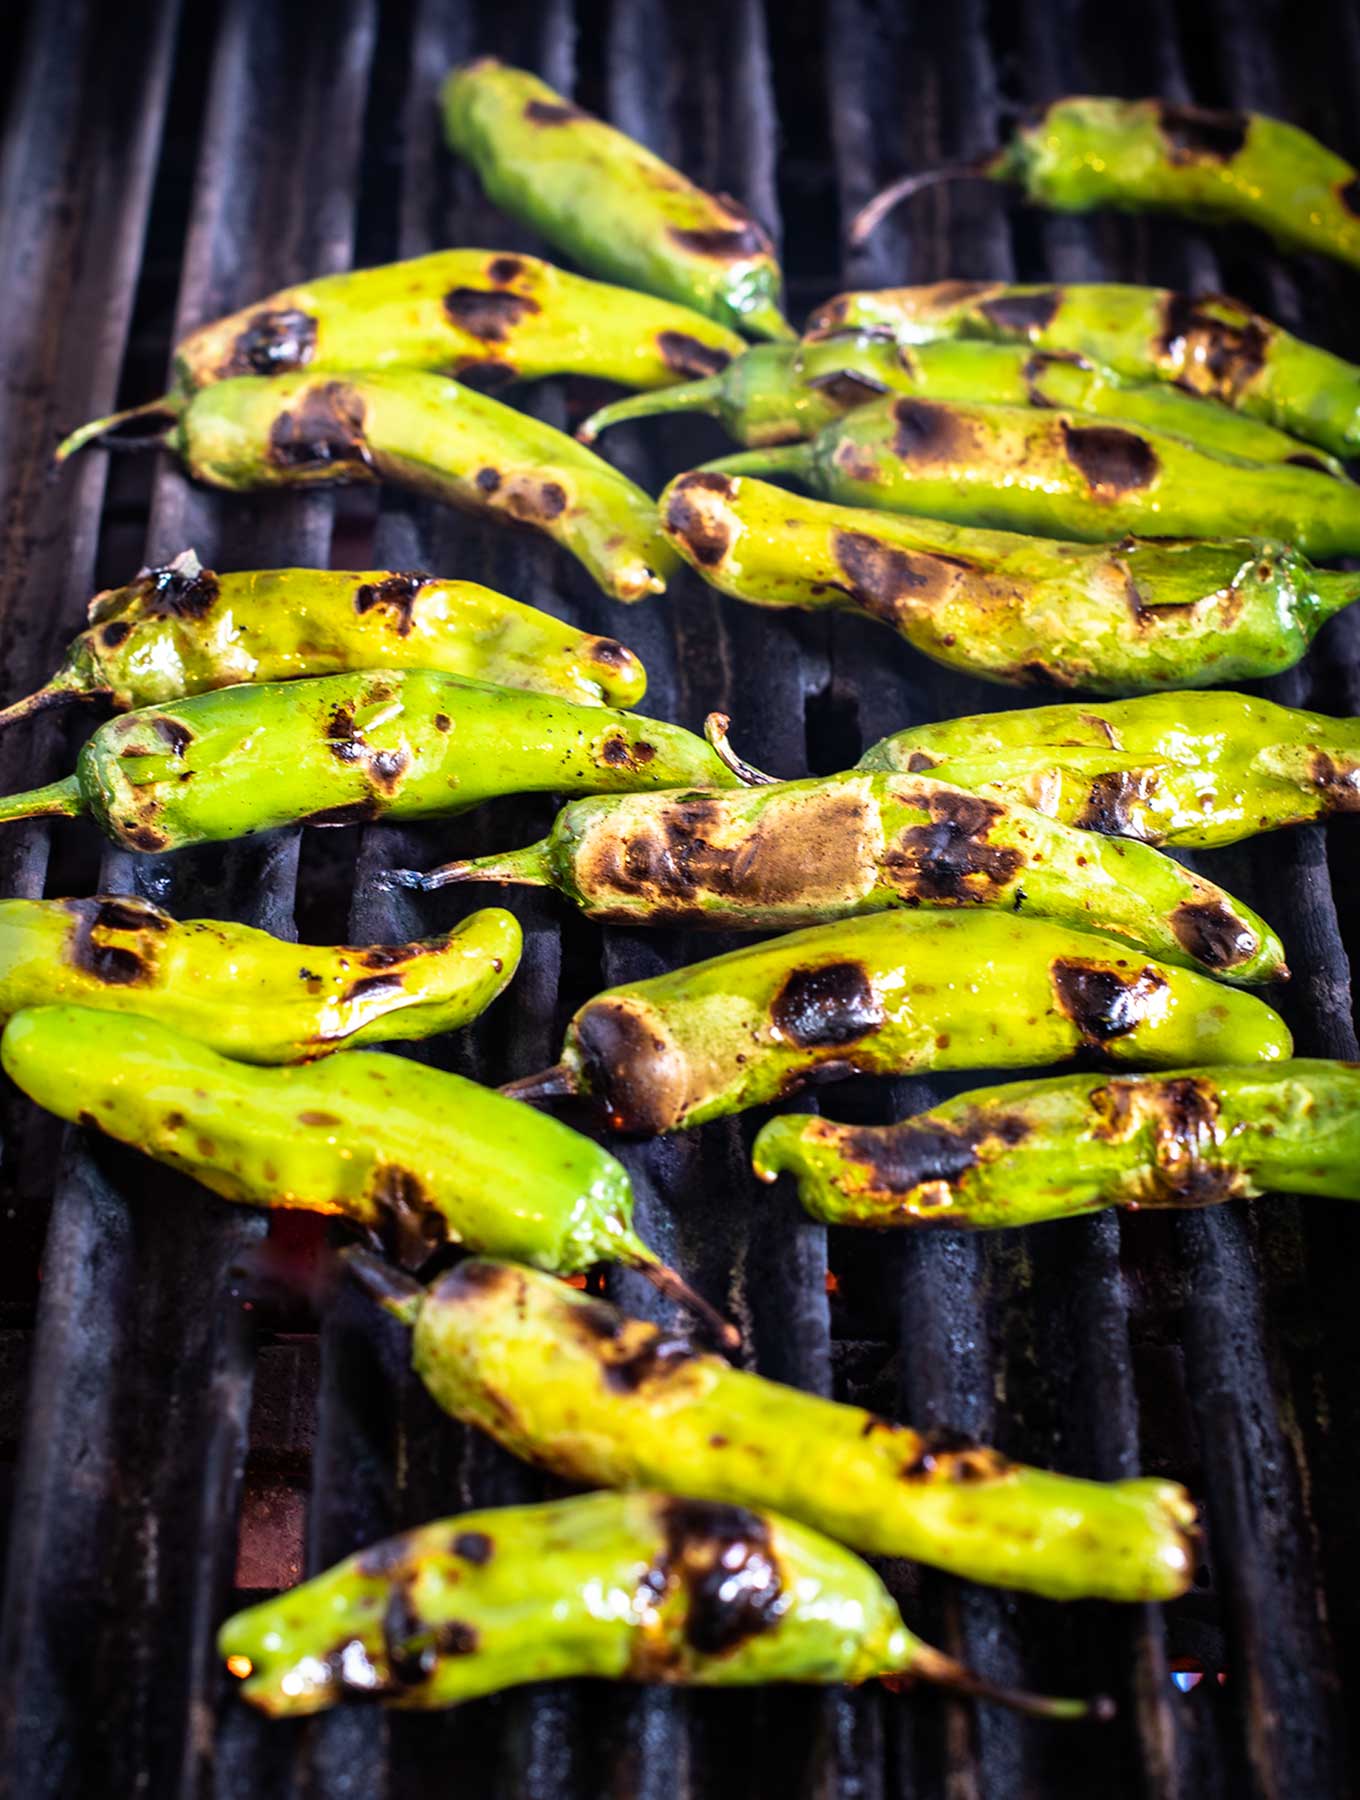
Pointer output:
161, 167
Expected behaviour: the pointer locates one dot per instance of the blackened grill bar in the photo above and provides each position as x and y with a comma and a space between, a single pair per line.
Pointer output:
220, 153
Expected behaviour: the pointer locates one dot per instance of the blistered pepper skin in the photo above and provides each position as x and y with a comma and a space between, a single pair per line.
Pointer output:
242, 992
805, 852
601, 1399
346, 749
1135, 616
1208, 344
1194, 770
1057, 474
1054, 1149
886, 995
610, 204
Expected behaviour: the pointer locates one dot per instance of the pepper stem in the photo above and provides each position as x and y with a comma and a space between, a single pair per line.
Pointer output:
763, 319
557, 1083
687, 397
673, 1285
58, 800
530, 867
871, 215
56, 693
395, 1291
716, 727
98, 428
928, 1664
775, 459
1334, 590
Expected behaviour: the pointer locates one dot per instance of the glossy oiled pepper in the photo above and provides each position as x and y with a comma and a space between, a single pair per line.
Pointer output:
1035, 1150
1060, 474
885, 995
631, 1587
1187, 769
1206, 343
610, 204
247, 994
1113, 619
602, 1399
184, 629
803, 852
1085, 152
342, 749
424, 432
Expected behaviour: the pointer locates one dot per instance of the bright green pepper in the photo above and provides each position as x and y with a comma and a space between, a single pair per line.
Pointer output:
609, 203
1140, 614
601, 1399
887, 995
804, 852
344, 749
242, 992
632, 1587
1187, 769
184, 629
1206, 343
1055, 1149
423, 432
1059, 474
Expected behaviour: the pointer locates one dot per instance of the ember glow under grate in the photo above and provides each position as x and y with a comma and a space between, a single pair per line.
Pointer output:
182, 1434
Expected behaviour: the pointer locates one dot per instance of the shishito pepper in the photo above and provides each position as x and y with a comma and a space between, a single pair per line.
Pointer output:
1085, 152
804, 852
1059, 474
1187, 769
610, 204
343, 749
631, 1587
885, 995
241, 991
183, 629
1206, 343
601, 1399
424, 432
1054, 1149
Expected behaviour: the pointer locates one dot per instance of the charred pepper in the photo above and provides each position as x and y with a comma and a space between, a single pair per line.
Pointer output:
184, 629
345, 749
1188, 769
1085, 152
1054, 1149
419, 431
805, 852
601, 1399
885, 995
1206, 343
610, 204
631, 1587
1113, 619
1059, 474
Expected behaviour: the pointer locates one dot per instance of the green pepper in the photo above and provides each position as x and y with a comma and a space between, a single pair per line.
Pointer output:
1139, 614
609, 203
183, 629
805, 852
1206, 343
424, 432
1059, 474
631, 1587
887, 995
1085, 152
344, 749
601, 1399
244, 993
1054, 1149
1188, 769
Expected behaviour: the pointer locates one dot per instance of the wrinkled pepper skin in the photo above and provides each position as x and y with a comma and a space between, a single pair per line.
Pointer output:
242, 992
1054, 1149
1208, 344
184, 629
607, 202
601, 1399
1138, 615
887, 995
1056, 474
347, 749
1194, 770
806, 852
631, 1587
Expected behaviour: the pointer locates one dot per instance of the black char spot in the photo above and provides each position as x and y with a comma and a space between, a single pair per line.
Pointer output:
731, 244
687, 357
112, 635
474, 1547
827, 1006
325, 427
504, 268
1107, 805
938, 861
1023, 315
1210, 931
395, 594
1349, 196
272, 343
929, 431
1104, 1003
708, 538
486, 314
624, 1064
171, 593
885, 580
1196, 134
175, 736
1339, 786
1230, 355
1112, 461
552, 112
113, 964
722, 1557
372, 987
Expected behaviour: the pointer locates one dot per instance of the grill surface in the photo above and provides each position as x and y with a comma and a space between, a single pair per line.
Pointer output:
178, 1434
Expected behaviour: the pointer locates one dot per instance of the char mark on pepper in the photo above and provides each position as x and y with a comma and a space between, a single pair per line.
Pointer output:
1212, 933
635, 1072
486, 314
1108, 807
889, 582
552, 112
396, 594
1197, 134
953, 1456
686, 356
699, 523
272, 343
1023, 315
474, 1547
1111, 461
172, 593
928, 432
1104, 1003
1221, 358
1340, 787
950, 861
326, 427
734, 244
116, 965
723, 1558
828, 1006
